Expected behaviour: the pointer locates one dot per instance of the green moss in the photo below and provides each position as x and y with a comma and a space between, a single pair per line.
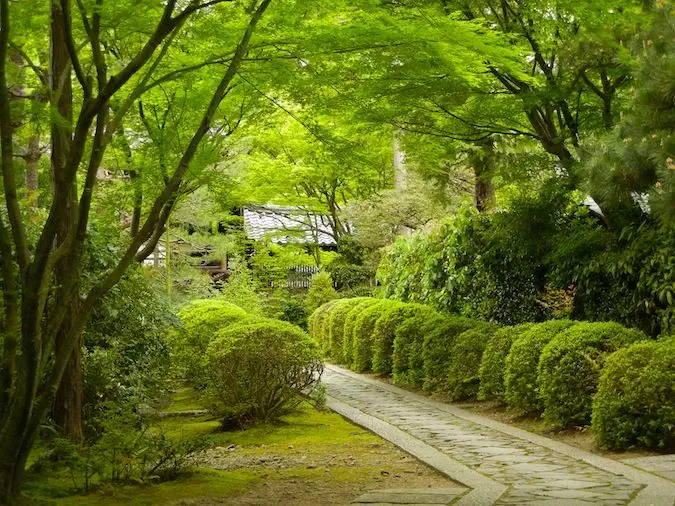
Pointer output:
185, 399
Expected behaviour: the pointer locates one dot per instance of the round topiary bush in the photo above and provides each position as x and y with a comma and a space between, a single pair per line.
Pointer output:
635, 401
437, 349
362, 335
522, 362
465, 358
492, 364
318, 324
408, 361
348, 329
257, 371
336, 325
202, 320
570, 367
385, 332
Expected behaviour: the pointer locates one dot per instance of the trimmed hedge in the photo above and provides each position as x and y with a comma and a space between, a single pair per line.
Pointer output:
522, 363
384, 334
408, 361
463, 373
493, 363
635, 401
362, 335
570, 367
437, 349
348, 329
336, 323
258, 371
202, 319
318, 324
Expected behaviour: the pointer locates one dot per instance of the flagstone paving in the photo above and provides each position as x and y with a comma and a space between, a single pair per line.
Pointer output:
502, 464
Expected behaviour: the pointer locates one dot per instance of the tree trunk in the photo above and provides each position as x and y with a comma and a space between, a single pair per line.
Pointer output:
483, 164
32, 158
67, 411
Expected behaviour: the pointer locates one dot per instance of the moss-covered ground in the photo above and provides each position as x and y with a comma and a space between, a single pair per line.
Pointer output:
308, 457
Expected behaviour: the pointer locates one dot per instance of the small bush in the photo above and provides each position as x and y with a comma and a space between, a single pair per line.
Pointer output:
570, 367
348, 329
522, 362
320, 291
336, 325
202, 320
635, 402
492, 366
385, 332
408, 361
362, 335
463, 373
258, 371
318, 324
437, 348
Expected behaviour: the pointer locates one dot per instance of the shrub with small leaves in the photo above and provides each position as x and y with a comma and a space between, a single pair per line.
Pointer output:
318, 324
336, 325
437, 349
463, 374
522, 362
320, 291
492, 364
348, 329
570, 367
385, 332
635, 401
202, 320
258, 371
408, 361
362, 335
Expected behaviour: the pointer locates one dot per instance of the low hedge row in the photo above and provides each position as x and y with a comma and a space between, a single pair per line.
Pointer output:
555, 369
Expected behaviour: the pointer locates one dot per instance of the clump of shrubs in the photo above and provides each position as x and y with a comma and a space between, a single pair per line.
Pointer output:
362, 335
336, 326
522, 363
570, 367
384, 334
465, 359
635, 401
493, 363
258, 371
408, 361
202, 319
348, 328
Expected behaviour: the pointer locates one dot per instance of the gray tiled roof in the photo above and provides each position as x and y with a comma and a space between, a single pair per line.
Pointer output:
286, 225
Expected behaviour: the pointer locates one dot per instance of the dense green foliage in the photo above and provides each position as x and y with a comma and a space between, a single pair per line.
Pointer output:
493, 363
336, 326
257, 371
363, 339
321, 291
463, 376
437, 349
570, 366
408, 359
384, 334
522, 365
202, 320
635, 401
348, 329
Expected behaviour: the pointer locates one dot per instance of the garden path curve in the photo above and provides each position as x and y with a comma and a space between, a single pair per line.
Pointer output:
499, 463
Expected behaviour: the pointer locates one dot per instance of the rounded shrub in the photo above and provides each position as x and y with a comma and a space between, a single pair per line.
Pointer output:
257, 371
408, 361
385, 332
492, 364
570, 365
362, 334
348, 329
522, 362
336, 325
465, 358
437, 349
202, 320
635, 401
318, 324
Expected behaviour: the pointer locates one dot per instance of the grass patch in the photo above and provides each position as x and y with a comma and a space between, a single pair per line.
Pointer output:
185, 399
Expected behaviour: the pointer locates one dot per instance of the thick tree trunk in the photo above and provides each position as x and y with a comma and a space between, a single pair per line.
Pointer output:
67, 411
32, 158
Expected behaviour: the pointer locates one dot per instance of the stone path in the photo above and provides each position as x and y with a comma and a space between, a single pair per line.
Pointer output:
502, 464
663, 465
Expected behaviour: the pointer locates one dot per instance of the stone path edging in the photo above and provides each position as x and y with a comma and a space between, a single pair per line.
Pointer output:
656, 490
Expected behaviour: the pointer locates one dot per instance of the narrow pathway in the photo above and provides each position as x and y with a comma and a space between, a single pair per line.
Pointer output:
502, 464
